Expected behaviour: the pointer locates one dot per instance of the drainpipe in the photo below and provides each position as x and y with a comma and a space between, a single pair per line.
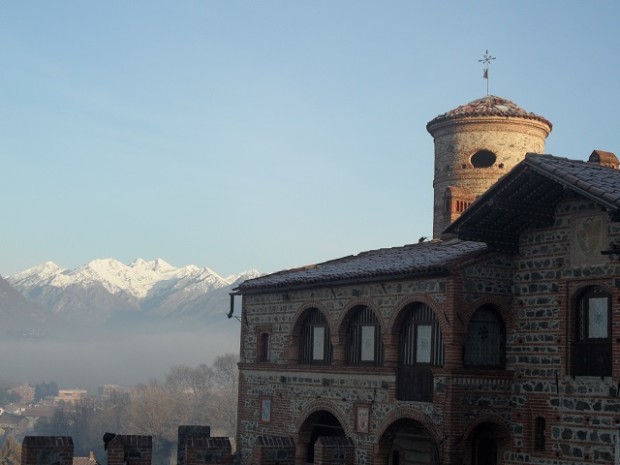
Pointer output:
617, 461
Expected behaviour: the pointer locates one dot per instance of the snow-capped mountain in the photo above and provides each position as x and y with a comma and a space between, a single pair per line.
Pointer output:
107, 288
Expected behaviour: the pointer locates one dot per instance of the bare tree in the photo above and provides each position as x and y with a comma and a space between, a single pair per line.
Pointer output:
223, 402
10, 452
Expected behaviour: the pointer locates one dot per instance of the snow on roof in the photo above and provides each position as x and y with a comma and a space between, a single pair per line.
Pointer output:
432, 257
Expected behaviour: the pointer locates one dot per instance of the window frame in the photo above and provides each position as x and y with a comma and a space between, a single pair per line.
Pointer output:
591, 356
360, 320
499, 321
540, 436
312, 319
263, 354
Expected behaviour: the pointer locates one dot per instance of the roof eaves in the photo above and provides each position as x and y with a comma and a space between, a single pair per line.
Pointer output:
275, 287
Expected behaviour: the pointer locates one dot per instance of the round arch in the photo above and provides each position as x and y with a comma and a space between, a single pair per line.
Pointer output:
298, 317
500, 306
318, 420
347, 312
302, 341
407, 435
399, 314
485, 440
484, 339
360, 332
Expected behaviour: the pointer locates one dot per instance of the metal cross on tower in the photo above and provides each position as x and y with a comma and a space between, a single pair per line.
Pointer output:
486, 60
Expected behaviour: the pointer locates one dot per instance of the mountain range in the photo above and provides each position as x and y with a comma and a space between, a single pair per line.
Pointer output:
108, 293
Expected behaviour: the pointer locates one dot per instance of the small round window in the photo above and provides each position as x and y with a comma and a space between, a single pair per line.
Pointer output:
483, 159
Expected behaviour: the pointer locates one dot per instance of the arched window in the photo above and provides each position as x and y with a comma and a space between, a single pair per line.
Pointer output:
592, 346
364, 344
485, 344
314, 343
420, 348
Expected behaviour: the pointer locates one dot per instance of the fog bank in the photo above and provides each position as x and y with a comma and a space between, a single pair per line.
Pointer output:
90, 360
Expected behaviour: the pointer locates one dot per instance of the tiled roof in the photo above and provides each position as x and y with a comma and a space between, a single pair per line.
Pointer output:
599, 183
490, 105
432, 257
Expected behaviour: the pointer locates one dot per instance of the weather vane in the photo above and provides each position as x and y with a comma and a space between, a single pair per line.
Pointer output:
486, 60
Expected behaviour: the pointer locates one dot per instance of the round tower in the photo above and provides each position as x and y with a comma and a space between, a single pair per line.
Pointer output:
476, 144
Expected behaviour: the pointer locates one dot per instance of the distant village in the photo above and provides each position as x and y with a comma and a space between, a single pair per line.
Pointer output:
20, 417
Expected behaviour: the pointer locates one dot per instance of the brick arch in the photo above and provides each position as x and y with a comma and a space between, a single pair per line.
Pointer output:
395, 320
345, 315
323, 405
344, 325
503, 310
409, 413
577, 291
500, 428
501, 423
302, 309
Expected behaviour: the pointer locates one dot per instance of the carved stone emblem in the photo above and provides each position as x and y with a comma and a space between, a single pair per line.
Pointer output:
588, 239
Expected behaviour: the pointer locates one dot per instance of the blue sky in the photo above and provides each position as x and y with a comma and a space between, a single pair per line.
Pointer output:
267, 134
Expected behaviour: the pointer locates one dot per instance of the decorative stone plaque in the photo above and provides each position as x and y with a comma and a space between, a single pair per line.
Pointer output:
588, 238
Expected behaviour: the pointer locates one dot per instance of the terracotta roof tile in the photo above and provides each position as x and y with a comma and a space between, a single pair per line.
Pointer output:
490, 105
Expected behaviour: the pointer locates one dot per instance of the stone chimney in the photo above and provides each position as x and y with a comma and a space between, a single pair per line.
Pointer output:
603, 158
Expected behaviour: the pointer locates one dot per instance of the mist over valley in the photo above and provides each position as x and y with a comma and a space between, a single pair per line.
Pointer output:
111, 323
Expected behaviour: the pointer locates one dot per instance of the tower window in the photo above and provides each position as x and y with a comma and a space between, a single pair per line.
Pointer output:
483, 159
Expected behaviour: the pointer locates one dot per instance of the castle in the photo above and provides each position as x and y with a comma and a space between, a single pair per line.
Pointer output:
497, 342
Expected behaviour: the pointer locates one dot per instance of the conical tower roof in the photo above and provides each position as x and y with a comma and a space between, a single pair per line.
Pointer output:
490, 105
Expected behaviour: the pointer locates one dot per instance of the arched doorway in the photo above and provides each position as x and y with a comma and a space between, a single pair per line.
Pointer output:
486, 442
407, 442
318, 424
